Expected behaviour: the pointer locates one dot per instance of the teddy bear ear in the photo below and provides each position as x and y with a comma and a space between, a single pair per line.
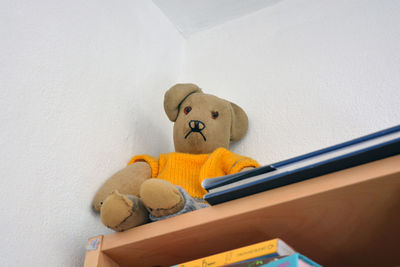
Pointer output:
175, 96
240, 122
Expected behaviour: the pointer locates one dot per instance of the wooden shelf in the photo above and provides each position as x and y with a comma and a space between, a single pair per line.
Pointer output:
346, 218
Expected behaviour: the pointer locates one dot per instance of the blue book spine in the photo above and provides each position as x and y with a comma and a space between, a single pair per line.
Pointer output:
338, 146
349, 160
291, 261
265, 169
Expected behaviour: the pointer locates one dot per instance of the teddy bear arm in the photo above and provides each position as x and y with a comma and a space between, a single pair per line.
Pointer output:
126, 181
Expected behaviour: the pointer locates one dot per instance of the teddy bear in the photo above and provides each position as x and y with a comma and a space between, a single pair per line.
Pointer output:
152, 189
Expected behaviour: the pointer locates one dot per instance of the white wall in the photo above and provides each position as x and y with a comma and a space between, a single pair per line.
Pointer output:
81, 86
81, 91
191, 16
310, 73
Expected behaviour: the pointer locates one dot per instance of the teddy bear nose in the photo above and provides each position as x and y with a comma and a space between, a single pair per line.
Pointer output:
196, 126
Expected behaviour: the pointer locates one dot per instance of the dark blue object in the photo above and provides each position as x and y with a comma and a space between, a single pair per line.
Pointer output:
348, 160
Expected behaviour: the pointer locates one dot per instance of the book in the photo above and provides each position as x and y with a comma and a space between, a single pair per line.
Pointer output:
215, 182
294, 260
271, 248
349, 154
255, 262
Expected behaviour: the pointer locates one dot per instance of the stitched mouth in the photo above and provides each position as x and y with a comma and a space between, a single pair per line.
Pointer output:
194, 131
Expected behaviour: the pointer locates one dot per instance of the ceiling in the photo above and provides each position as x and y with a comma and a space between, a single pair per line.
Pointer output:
190, 16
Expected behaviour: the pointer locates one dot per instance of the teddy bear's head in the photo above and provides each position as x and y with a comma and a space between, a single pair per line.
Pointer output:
202, 122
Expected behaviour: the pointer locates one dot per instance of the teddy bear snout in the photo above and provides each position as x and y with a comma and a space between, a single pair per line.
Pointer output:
196, 127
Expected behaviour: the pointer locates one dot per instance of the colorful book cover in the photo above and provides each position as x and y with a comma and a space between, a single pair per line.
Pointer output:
255, 262
273, 248
294, 260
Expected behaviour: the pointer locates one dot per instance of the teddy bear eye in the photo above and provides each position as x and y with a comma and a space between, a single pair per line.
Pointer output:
187, 109
214, 114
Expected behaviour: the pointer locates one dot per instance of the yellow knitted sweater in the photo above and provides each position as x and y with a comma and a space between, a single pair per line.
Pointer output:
189, 170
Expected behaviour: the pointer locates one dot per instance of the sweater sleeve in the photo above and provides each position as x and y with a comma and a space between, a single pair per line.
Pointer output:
234, 163
223, 162
153, 162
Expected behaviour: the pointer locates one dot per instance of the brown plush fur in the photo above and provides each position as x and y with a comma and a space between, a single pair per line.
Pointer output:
161, 197
118, 212
123, 182
190, 109
231, 123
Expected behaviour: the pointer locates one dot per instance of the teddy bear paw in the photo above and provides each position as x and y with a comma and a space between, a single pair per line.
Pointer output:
120, 212
161, 198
